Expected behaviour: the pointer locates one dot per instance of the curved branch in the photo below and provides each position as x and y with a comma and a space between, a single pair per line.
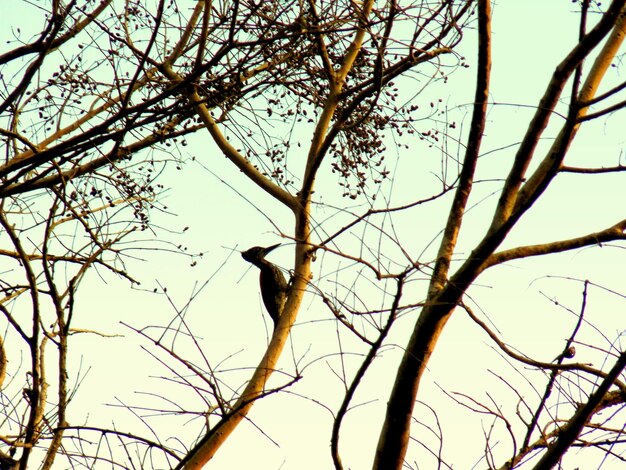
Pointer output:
538, 364
237, 158
369, 358
115, 432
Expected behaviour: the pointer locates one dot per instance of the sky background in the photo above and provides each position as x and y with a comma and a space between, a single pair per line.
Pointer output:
524, 300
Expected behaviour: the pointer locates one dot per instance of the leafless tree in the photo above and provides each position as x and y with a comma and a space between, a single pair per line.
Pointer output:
100, 98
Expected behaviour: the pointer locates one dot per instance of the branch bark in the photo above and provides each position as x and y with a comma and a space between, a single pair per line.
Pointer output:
574, 426
444, 294
208, 446
509, 197
616, 232
394, 436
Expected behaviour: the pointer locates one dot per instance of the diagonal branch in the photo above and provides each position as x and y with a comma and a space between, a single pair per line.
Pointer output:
545, 109
550, 165
534, 363
616, 232
237, 158
568, 433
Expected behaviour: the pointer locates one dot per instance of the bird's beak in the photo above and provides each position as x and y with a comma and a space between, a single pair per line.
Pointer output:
271, 248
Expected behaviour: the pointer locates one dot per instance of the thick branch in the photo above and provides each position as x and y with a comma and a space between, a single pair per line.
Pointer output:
212, 441
394, 436
336, 82
545, 109
466, 178
551, 163
616, 232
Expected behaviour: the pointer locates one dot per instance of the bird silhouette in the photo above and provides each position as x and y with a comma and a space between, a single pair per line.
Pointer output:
274, 286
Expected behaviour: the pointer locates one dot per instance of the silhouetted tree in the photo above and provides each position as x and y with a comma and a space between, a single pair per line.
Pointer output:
100, 98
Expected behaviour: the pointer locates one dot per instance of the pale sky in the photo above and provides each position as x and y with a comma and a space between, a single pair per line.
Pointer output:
529, 38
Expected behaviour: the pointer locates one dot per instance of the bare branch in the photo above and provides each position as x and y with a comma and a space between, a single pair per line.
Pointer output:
615, 232
571, 430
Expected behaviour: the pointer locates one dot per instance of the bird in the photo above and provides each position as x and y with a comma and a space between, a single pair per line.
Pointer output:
274, 287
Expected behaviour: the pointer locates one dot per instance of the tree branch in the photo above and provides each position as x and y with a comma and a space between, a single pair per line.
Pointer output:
394, 435
616, 232
570, 431
564, 70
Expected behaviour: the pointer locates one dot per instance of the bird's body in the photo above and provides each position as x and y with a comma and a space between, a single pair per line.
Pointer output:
274, 286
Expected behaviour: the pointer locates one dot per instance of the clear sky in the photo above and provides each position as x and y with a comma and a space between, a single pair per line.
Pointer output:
529, 38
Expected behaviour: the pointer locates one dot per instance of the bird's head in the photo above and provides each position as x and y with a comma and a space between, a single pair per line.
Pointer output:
257, 253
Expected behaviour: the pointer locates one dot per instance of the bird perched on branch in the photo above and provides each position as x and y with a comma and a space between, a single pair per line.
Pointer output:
274, 287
